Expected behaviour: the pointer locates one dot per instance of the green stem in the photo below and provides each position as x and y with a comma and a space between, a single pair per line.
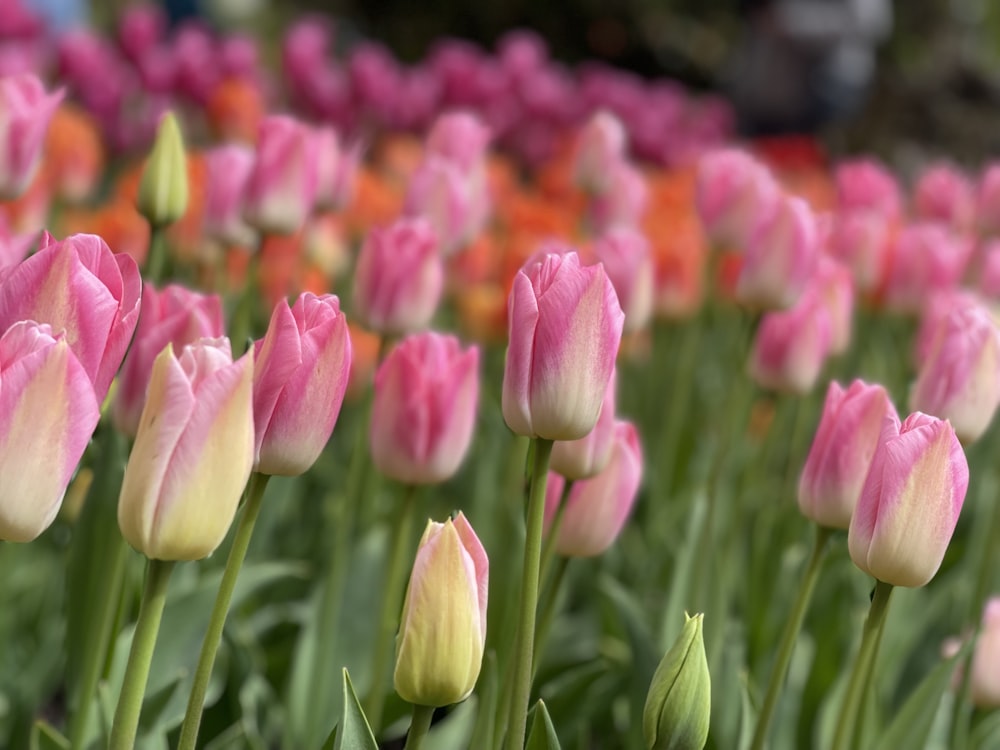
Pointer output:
789, 637
241, 327
860, 672
420, 724
388, 621
529, 596
213, 636
548, 611
549, 543
126, 721
157, 261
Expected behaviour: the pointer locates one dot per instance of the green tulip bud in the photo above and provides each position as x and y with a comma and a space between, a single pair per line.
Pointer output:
679, 702
163, 189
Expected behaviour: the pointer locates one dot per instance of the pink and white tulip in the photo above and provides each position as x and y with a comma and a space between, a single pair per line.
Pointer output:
866, 185
25, 112
910, 501
835, 286
792, 345
623, 203
455, 202
628, 261
228, 170
583, 458
734, 191
928, 258
459, 137
861, 240
943, 193
601, 146
281, 189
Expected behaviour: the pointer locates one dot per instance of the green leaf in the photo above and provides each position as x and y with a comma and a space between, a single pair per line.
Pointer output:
542, 735
454, 730
913, 722
352, 732
486, 706
44, 736
986, 732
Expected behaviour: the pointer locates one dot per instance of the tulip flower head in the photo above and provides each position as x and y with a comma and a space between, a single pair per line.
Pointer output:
25, 112
734, 191
282, 185
791, 346
626, 257
583, 458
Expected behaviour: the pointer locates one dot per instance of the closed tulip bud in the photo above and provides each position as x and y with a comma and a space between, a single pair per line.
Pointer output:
626, 256
791, 346
910, 501
301, 368
679, 702
734, 191
835, 285
583, 458
564, 328
193, 453
600, 147
175, 315
442, 631
928, 258
865, 184
841, 453
781, 256
943, 193
985, 681
960, 379
455, 202
228, 171
597, 508
48, 411
862, 241
399, 278
25, 112
163, 188
424, 408
79, 286
282, 185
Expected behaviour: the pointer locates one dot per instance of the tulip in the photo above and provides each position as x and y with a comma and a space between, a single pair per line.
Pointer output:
910, 501
733, 192
835, 286
600, 147
625, 201
281, 188
679, 702
989, 271
936, 310
228, 171
862, 240
424, 408
781, 256
175, 315
943, 193
583, 458
300, 376
597, 508
841, 452
626, 256
459, 137
928, 258
791, 346
865, 184
455, 202
442, 631
48, 411
399, 277
330, 161
985, 680
163, 189
564, 328
25, 112
960, 378
80, 286
193, 452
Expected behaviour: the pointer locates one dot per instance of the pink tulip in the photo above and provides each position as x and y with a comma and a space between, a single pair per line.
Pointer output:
601, 146
866, 185
455, 202
228, 173
175, 315
985, 681
141, 27
734, 191
583, 458
330, 159
960, 378
842, 450
928, 258
626, 256
625, 201
48, 411
781, 256
989, 270
461, 138
791, 346
192, 455
597, 508
945, 194
424, 408
300, 376
861, 240
25, 112
399, 278
835, 285
282, 185
79, 286
910, 501
564, 326
988, 200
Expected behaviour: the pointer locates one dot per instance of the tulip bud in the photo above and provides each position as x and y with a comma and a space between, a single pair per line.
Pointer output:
626, 257
597, 508
862, 240
960, 379
282, 185
301, 368
564, 328
985, 681
679, 702
459, 137
193, 453
928, 258
25, 112
583, 458
865, 184
455, 202
228, 171
910, 501
601, 145
399, 278
943, 193
442, 631
835, 285
791, 346
841, 452
625, 201
48, 411
424, 408
163, 189
734, 190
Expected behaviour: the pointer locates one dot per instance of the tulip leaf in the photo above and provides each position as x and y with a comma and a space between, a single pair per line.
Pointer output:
543, 734
44, 736
486, 707
986, 733
454, 730
912, 724
352, 732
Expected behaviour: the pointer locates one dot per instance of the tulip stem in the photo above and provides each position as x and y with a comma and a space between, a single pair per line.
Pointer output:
213, 636
140, 656
548, 611
863, 666
549, 544
420, 724
529, 596
157, 254
388, 621
789, 637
